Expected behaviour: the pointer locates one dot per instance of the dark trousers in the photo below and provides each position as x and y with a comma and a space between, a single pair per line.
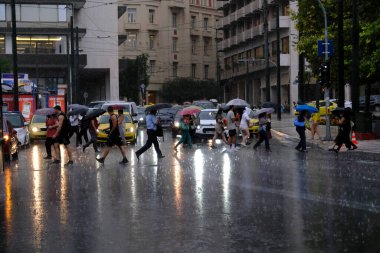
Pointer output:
301, 132
262, 137
75, 129
83, 133
48, 143
152, 139
93, 141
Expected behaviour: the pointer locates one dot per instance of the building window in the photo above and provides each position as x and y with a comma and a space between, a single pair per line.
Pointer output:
151, 16
193, 70
174, 20
175, 69
38, 44
193, 46
206, 45
132, 40
2, 44
192, 1
204, 2
174, 45
285, 45
209, 3
259, 53
152, 66
193, 22
151, 41
2, 12
206, 71
131, 15
285, 10
205, 24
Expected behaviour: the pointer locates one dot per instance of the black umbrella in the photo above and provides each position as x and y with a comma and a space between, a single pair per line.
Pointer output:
77, 106
268, 105
94, 113
338, 111
157, 107
77, 111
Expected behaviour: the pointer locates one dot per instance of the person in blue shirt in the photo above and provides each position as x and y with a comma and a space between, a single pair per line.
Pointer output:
151, 126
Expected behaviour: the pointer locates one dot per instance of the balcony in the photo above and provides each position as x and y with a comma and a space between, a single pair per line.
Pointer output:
254, 6
225, 21
257, 31
195, 32
207, 33
152, 27
241, 37
233, 41
284, 23
132, 26
176, 4
233, 17
285, 60
241, 13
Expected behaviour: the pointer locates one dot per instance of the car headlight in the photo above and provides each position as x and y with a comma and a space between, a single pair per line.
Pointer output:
176, 124
198, 127
141, 119
131, 129
6, 137
34, 129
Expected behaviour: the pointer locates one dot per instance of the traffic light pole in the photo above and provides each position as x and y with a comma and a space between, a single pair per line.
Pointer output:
327, 95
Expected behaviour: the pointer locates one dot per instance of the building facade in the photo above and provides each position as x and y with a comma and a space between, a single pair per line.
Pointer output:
54, 55
179, 36
243, 74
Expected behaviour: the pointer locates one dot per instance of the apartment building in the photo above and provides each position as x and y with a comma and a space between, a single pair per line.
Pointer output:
45, 43
243, 74
180, 37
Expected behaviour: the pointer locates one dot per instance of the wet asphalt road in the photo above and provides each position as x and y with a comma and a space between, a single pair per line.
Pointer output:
198, 200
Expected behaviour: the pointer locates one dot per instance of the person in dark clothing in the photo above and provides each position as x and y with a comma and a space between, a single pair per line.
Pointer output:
344, 132
299, 123
151, 126
62, 135
84, 125
94, 135
263, 135
74, 121
113, 138
51, 129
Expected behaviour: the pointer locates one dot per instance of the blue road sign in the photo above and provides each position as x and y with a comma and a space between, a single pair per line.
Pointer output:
321, 48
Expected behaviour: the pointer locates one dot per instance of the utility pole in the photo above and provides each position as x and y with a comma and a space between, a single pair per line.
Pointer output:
301, 70
217, 61
355, 56
340, 55
73, 77
278, 62
14, 53
77, 81
266, 52
327, 96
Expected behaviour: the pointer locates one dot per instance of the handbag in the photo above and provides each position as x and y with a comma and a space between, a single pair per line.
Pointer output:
159, 131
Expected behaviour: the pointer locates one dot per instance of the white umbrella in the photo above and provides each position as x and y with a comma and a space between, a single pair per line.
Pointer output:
263, 110
238, 102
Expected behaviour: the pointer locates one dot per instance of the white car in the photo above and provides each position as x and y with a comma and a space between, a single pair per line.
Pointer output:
19, 124
206, 123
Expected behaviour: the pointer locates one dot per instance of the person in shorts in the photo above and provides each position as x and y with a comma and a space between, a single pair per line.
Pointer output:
113, 138
231, 126
219, 128
61, 136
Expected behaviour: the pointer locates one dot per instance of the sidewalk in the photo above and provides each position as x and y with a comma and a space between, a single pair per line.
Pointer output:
285, 129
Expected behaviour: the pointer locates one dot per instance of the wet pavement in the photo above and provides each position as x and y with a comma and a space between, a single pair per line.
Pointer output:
199, 200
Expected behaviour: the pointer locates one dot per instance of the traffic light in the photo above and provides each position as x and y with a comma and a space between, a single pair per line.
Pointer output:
324, 74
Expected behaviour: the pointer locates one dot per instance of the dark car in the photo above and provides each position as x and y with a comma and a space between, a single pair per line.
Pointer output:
141, 115
10, 141
374, 103
175, 124
205, 104
167, 115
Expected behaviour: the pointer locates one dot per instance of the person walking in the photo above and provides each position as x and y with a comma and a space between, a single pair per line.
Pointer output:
93, 134
113, 138
61, 136
185, 132
263, 135
314, 125
51, 129
84, 125
219, 128
231, 126
121, 125
344, 131
244, 123
299, 123
151, 126
74, 122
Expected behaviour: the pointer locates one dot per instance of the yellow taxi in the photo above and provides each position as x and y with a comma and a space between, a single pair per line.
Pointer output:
37, 127
130, 128
322, 107
253, 125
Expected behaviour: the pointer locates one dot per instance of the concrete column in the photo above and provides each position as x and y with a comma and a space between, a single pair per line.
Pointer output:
8, 44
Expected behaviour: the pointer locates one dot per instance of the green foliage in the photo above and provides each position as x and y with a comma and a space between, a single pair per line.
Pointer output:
185, 89
133, 76
311, 25
5, 65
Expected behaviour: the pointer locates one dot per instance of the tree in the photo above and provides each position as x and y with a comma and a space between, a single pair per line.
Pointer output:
310, 23
186, 89
133, 76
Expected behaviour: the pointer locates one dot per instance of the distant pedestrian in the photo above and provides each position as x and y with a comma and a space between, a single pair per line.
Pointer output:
151, 126
185, 132
113, 138
263, 135
84, 124
244, 124
121, 125
314, 125
299, 123
51, 129
219, 128
93, 130
62, 135
74, 129
231, 126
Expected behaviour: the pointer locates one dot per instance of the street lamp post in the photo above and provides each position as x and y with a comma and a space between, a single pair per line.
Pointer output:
278, 63
14, 53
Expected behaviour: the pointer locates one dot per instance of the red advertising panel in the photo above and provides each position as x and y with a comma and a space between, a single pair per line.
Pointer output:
25, 103
58, 100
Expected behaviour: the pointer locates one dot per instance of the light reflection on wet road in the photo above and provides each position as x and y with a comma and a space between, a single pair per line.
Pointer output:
199, 200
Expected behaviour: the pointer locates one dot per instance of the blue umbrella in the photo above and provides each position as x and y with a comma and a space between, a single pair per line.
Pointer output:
308, 108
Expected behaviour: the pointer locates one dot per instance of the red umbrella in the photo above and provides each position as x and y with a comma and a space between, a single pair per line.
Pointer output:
190, 110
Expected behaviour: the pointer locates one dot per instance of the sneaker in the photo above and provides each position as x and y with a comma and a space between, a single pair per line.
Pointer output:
137, 156
83, 148
56, 161
101, 160
124, 161
79, 146
47, 157
302, 150
69, 163
161, 156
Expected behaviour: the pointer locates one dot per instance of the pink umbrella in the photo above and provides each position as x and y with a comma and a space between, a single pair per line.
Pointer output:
190, 110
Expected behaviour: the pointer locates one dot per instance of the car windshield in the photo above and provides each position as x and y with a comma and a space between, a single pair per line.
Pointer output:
104, 119
95, 105
141, 110
125, 107
205, 105
166, 111
207, 115
39, 119
15, 120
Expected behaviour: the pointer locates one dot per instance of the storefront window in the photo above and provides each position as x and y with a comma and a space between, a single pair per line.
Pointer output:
39, 44
2, 12
40, 13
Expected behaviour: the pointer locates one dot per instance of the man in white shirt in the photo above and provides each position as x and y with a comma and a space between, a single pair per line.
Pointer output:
231, 126
244, 122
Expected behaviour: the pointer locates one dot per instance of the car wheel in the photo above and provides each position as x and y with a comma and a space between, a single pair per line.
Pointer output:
15, 156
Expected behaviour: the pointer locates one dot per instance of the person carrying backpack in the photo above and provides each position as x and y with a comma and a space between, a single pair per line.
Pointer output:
299, 123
